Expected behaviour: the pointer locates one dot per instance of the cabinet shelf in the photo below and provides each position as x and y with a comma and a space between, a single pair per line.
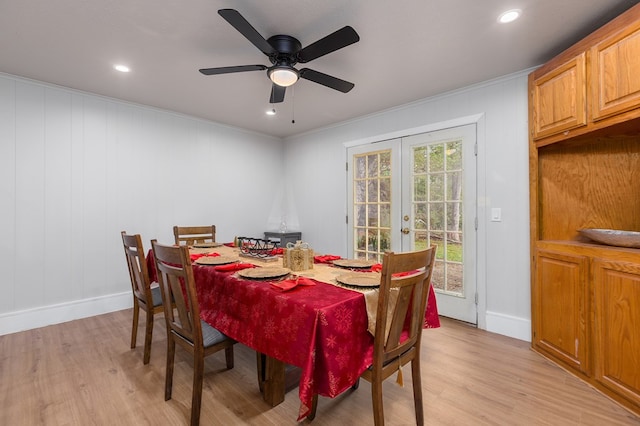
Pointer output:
590, 249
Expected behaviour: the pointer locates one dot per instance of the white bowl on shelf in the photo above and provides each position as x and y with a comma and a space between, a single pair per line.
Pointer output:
613, 237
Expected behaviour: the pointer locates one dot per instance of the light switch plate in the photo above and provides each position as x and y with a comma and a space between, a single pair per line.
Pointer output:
496, 214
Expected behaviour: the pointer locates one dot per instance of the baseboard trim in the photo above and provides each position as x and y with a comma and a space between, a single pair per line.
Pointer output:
516, 327
28, 319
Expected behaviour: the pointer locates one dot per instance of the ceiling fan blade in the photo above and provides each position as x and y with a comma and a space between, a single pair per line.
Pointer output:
334, 41
227, 70
277, 94
238, 22
326, 80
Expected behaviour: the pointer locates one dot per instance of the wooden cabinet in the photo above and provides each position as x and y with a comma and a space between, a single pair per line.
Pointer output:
561, 295
584, 159
616, 73
559, 98
592, 85
617, 316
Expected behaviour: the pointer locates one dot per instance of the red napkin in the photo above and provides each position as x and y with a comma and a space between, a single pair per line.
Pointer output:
232, 267
286, 285
404, 274
376, 268
327, 258
231, 244
196, 256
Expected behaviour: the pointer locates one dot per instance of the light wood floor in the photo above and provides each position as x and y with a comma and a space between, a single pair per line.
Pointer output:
83, 373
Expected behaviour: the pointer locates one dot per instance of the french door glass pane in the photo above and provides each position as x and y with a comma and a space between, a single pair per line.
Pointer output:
437, 209
372, 204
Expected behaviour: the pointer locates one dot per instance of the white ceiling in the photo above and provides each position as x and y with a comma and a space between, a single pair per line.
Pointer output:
408, 50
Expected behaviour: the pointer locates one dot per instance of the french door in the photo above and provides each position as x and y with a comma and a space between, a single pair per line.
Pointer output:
409, 193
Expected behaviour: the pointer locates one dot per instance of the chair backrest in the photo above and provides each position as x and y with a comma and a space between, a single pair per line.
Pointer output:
400, 316
175, 276
137, 264
190, 235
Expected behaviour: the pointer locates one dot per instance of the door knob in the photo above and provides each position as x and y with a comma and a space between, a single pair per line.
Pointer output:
405, 231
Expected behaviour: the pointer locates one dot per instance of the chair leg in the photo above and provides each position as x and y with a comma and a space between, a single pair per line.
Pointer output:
376, 399
134, 328
147, 338
228, 354
356, 385
196, 398
417, 390
168, 380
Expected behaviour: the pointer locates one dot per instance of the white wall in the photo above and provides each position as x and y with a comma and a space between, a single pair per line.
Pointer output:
76, 169
316, 170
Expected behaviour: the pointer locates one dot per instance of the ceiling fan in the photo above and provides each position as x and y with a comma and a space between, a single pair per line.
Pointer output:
284, 52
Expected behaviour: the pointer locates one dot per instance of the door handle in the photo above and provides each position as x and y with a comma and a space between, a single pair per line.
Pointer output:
405, 231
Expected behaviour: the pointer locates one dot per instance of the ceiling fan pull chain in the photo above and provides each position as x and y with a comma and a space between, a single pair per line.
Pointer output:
293, 105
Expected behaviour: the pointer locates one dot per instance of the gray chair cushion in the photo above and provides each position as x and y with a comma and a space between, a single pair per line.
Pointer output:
210, 335
156, 295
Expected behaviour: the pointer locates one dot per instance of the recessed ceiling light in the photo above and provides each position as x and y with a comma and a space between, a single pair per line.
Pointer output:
121, 68
271, 111
509, 16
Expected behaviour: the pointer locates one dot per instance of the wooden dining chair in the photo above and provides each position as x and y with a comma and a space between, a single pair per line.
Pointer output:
184, 325
190, 235
144, 297
399, 325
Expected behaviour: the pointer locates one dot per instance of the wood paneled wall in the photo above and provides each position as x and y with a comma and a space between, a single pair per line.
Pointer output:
76, 169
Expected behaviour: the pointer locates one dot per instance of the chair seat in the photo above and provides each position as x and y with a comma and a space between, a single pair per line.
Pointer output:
210, 335
156, 296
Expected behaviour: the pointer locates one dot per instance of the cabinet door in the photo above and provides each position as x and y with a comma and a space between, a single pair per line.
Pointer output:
559, 99
617, 327
560, 327
616, 73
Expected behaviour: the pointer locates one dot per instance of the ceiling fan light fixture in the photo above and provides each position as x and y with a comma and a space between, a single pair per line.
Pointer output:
283, 75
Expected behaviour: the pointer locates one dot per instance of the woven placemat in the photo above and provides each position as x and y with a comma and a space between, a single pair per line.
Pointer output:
215, 260
264, 273
354, 263
360, 279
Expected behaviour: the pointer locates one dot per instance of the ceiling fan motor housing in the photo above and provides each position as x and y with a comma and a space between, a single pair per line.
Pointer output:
287, 49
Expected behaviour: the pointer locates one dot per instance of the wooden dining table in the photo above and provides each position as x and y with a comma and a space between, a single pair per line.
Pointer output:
319, 328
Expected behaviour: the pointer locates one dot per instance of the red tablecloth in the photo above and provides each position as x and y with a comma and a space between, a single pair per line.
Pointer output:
322, 329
